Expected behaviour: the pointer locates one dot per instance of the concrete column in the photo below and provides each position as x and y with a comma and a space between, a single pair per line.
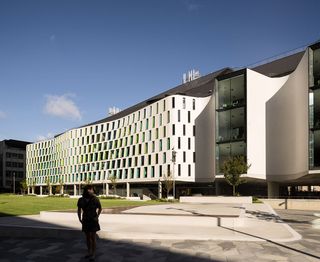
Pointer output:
50, 190
62, 190
74, 189
273, 190
28, 190
128, 189
32, 190
107, 189
159, 189
40, 190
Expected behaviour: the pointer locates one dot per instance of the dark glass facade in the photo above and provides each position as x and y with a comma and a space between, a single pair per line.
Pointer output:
230, 118
314, 107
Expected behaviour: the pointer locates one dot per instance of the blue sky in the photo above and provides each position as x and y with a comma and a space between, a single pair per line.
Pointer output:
64, 62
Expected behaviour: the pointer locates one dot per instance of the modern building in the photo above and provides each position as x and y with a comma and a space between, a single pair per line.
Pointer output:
12, 164
268, 113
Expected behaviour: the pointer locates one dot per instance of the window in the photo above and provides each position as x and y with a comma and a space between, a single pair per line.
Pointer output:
189, 117
173, 102
184, 130
194, 130
168, 117
194, 157
164, 156
168, 143
146, 148
179, 116
193, 104
179, 169
184, 156
179, 142
189, 170
184, 103
189, 143
173, 129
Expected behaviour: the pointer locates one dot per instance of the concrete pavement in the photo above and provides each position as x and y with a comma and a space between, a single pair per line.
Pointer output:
71, 250
246, 222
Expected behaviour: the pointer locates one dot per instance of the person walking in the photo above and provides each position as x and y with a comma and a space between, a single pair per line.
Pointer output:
89, 210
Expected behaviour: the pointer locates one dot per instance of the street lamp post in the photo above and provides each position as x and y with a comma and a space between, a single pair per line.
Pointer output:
14, 182
174, 154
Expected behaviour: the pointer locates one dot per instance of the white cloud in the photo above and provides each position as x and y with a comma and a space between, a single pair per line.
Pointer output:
42, 137
62, 106
2, 115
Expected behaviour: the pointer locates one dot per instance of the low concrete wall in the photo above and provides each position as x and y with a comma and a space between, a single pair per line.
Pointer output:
216, 200
300, 204
127, 219
133, 198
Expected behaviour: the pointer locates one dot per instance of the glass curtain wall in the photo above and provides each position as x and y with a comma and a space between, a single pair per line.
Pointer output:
230, 119
314, 107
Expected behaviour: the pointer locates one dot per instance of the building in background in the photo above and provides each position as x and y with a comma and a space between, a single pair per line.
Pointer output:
268, 113
12, 164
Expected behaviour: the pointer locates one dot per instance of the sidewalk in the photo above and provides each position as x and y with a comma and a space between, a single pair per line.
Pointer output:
31, 249
246, 222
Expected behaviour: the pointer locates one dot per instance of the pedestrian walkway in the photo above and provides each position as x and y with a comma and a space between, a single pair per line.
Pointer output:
72, 250
237, 222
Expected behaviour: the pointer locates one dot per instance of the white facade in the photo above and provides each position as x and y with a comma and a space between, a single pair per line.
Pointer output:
134, 148
266, 117
260, 89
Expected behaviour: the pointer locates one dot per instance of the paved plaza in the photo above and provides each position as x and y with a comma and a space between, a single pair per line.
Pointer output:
55, 249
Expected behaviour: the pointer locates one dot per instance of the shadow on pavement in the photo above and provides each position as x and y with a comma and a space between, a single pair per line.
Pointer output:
20, 241
273, 242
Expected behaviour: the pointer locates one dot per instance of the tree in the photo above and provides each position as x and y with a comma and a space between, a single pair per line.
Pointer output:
23, 186
58, 188
48, 183
168, 182
232, 170
113, 180
33, 184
